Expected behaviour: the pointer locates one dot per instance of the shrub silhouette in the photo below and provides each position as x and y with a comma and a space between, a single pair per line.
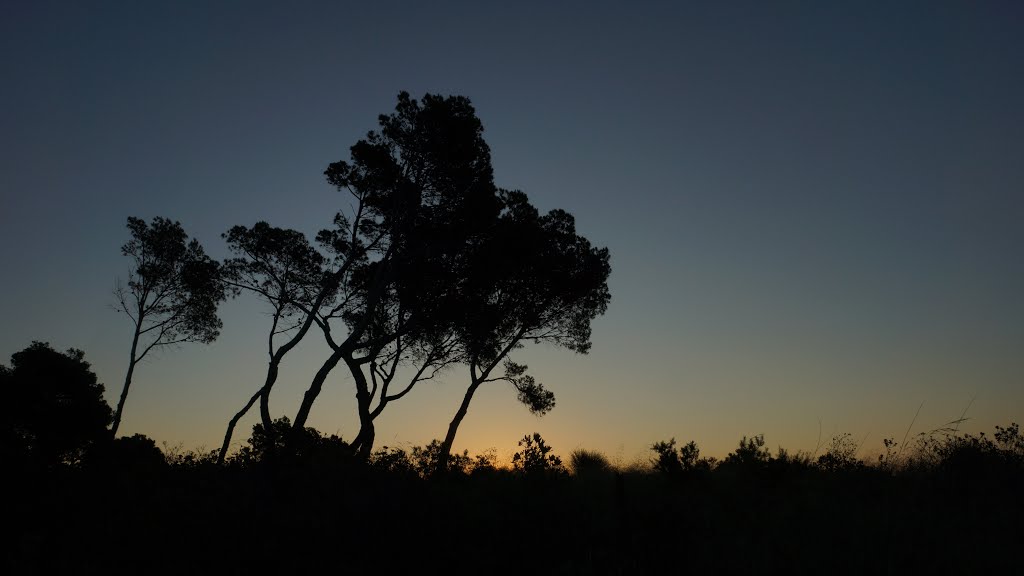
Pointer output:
841, 454
535, 457
138, 453
686, 458
423, 461
588, 463
751, 454
287, 446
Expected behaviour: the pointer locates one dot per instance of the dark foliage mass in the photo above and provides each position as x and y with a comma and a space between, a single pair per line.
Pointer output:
432, 266
951, 504
55, 407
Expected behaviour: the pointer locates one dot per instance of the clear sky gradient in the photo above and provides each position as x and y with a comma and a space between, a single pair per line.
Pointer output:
815, 210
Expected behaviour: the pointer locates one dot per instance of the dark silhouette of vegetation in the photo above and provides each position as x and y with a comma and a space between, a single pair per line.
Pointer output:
841, 455
424, 194
172, 294
55, 407
133, 454
535, 457
583, 462
433, 266
673, 461
950, 505
286, 272
536, 280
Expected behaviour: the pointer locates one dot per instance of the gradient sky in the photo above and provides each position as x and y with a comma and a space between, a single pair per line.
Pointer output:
815, 210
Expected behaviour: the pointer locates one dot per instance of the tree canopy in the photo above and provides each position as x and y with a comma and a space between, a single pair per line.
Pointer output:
285, 271
424, 194
56, 409
431, 266
172, 294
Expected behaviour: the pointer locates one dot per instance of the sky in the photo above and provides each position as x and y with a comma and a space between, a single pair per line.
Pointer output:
814, 209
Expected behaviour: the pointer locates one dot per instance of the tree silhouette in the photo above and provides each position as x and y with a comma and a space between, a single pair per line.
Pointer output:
56, 409
172, 294
433, 266
534, 279
424, 195
285, 271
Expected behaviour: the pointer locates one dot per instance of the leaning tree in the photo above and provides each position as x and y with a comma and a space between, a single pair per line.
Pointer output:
434, 265
289, 275
172, 293
424, 196
533, 279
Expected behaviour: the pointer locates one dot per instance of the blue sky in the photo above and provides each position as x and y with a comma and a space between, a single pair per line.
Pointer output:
813, 209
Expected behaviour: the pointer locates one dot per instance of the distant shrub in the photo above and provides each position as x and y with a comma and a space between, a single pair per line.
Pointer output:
841, 454
946, 450
177, 457
889, 460
667, 459
1010, 441
686, 458
138, 452
392, 460
588, 462
484, 463
422, 461
425, 460
283, 444
535, 457
751, 454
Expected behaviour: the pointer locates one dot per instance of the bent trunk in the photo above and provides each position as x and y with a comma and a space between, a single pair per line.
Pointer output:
314, 390
364, 440
262, 395
132, 360
453, 428
231, 427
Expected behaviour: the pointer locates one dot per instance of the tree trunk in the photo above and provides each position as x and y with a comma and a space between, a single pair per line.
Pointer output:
127, 381
262, 395
367, 432
268, 422
314, 390
231, 426
453, 428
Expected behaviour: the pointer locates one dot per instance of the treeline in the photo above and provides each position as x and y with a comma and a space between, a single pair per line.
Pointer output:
950, 503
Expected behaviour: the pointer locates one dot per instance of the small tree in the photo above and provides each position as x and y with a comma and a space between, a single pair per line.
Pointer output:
55, 406
172, 294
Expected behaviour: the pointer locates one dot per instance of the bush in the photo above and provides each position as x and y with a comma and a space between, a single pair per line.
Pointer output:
138, 452
588, 462
687, 458
284, 444
535, 457
751, 453
840, 455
